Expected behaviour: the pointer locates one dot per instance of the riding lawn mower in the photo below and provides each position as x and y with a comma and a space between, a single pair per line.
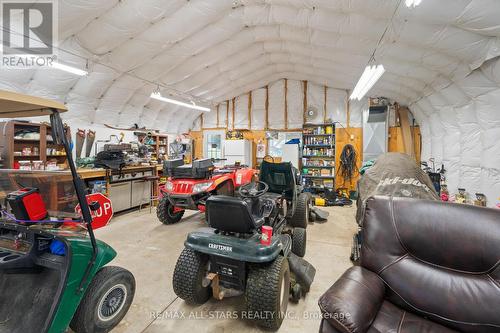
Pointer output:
253, 246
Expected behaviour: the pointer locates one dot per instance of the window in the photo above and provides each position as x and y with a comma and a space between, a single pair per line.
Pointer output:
213, 141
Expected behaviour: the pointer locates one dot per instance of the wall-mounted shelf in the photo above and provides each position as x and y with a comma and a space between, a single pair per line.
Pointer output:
317, 156
318, 134
319, 177
318, 166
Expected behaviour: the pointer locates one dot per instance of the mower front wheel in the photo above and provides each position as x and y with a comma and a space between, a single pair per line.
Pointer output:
189, 272
299, 241
105, 302
300, 217
267, 293
165, 212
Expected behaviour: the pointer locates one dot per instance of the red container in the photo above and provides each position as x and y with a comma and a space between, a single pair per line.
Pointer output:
27, 204
267, 235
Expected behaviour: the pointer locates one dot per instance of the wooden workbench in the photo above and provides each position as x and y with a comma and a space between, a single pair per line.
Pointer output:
91, 175
104, 173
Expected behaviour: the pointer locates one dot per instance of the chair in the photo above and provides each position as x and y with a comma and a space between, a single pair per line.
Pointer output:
426, 266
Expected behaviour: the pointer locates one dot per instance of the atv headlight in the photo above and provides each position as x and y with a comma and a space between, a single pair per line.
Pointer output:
201, 187
169, 186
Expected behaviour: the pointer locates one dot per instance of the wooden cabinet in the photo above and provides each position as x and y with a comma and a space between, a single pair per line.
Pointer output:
159, 145
24, 141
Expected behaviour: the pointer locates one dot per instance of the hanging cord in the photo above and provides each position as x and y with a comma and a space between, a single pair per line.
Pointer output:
347, 166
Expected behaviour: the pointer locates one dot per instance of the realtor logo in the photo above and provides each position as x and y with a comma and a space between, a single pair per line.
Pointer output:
29, 32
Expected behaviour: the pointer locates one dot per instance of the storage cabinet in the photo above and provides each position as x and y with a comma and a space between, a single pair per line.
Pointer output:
120, 194
129, 190
141, 190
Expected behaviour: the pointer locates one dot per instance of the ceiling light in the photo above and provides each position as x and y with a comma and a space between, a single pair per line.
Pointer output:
158, 96
412, 3
370, 75
69, 69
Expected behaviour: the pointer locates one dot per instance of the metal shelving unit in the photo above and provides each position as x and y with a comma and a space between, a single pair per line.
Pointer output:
318, 156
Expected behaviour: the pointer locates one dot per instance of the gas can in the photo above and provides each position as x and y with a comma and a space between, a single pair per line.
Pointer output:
267, 235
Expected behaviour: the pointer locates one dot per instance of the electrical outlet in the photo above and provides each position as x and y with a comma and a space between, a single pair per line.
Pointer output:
352, 136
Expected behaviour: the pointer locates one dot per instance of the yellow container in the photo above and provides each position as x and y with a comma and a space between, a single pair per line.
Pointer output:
329, 130
319, 201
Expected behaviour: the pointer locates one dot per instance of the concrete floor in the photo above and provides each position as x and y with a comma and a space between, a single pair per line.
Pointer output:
150, 250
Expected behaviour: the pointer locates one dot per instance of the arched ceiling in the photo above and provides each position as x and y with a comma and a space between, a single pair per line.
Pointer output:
215, 50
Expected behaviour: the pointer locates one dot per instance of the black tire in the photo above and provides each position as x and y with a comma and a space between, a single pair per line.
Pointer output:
267, 293
105, 302
299, 241
189, 272
300, 217
165, 212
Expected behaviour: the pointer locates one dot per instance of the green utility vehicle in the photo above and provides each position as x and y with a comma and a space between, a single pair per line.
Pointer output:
53, 272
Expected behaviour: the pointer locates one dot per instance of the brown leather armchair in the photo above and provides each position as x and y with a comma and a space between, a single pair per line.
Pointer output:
426, 266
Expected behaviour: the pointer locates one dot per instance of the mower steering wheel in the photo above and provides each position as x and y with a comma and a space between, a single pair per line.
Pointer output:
251, 190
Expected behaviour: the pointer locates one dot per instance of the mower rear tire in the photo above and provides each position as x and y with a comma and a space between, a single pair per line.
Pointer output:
267, 293
189, 272
106, 301
165, 212
299, 241
300, 218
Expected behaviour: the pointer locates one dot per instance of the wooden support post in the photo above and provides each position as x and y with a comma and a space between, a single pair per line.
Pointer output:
348, 111
250, 110
406, 131
234, 99
324, 104
218, 115
286, 103
227, 115
305, 102
267, 108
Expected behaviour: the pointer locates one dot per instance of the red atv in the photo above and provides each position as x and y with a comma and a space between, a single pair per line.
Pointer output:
189, 185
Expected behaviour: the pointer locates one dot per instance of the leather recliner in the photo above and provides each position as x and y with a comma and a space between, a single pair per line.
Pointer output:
426, 266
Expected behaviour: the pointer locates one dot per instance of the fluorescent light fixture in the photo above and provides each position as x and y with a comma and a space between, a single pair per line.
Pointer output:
158, 96
412, 3
370, 75
69, 69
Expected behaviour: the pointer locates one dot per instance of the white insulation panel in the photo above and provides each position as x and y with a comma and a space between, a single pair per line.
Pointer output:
464, 133
336, 106
442, 61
